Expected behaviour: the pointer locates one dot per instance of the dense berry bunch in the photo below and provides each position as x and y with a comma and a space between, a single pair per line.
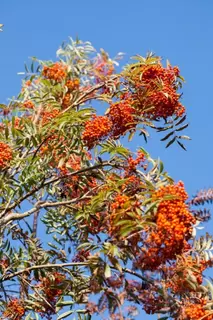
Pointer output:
66, 100
5, 154
163, 103
122, 114
28, 104
73, 84
120, 201
196, 311
174, 220
47, 116
55, 72
152, 73
173, 228
156, 91
96, 129
14, 310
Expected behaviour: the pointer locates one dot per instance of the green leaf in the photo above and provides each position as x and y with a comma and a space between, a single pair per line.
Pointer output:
182, 145
167, 136
151, 207
37, 304
210, 287
184, 137
145, 152
161, 167
65, 303
183, 127
28, 317
181, 120
131, 135
126, 231
159, 129
107, 271
124, 222
171, 142
65, 314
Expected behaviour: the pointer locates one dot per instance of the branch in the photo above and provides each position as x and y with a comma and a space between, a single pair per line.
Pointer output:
43, 184
40, 204
136, 275
88, 92
19, 216
69, 264
103, 164
44, 266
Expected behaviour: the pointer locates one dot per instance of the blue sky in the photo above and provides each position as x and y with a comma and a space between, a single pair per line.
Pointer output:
178, 30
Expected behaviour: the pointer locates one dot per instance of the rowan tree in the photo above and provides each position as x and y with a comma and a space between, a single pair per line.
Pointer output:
90, 228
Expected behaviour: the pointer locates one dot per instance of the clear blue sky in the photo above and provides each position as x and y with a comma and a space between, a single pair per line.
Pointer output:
178, 30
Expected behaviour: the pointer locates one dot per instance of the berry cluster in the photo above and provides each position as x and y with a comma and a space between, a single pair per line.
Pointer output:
96, 130
47, 116
55, 72
174, 220
95, 223
71, 185
195, 311
66, 100
28, 104
4, 263
132, 184
119, 202
14, 310
51, 287
122, 115
156, 91
72, 84
173, 228
133, 163
5, 154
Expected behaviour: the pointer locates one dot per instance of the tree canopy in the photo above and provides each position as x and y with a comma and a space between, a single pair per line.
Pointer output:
89, 227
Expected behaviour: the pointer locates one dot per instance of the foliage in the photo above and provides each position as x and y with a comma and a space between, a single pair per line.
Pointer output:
87, 226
